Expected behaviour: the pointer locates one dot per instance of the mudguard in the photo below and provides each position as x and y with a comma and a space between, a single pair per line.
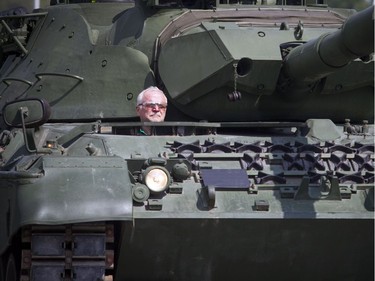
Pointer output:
68, 190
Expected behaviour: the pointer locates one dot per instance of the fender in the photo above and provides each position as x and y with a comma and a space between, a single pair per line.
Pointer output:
69, 190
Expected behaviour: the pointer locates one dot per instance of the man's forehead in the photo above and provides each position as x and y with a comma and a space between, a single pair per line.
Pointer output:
154, 95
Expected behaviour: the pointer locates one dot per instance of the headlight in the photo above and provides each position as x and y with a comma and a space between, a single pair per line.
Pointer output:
156, 178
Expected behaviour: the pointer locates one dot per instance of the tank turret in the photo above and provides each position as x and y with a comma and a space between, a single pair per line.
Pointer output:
249, 59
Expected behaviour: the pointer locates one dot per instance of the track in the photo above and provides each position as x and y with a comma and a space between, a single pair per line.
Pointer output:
71, 252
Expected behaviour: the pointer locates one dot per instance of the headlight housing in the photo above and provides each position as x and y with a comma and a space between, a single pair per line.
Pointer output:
156, 178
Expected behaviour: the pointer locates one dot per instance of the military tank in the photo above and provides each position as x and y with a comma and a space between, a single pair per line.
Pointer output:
263, 169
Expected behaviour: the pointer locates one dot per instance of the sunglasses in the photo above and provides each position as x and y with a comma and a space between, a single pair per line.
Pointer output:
152, 105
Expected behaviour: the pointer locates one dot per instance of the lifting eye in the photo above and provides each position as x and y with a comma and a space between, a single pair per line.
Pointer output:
156, 178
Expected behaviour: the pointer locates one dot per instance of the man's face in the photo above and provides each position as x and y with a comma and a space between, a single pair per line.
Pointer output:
153, 107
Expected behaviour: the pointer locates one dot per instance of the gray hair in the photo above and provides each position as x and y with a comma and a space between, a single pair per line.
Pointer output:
149, 89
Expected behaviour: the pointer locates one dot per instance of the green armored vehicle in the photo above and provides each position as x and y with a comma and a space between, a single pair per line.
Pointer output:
262, 170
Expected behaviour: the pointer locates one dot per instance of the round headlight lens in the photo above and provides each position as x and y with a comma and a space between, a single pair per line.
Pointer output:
156, 179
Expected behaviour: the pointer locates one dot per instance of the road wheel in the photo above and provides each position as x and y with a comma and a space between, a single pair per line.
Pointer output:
11, 273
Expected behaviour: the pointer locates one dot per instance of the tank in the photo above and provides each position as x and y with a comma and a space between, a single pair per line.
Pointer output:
263, 168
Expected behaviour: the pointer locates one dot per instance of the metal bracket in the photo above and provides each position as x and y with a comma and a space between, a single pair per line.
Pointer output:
261, 205
175, 189
211, 193
287, 192
154, 205
298, 31
332, 185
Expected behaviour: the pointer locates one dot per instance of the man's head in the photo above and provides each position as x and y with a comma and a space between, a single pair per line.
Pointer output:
151, 105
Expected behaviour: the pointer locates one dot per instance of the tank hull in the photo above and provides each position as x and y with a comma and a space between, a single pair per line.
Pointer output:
266, 248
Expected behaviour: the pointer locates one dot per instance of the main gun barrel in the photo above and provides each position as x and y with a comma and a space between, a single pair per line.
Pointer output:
328, 53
